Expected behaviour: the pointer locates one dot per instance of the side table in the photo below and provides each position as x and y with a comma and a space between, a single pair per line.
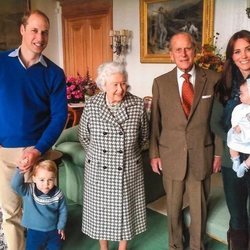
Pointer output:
74, 113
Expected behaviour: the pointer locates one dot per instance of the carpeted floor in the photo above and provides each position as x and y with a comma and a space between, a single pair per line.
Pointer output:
155, 238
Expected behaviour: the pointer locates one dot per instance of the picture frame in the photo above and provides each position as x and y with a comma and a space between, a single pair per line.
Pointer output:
160, 19
11, 12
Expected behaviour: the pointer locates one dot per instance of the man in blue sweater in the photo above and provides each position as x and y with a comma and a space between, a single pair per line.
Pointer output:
33, 111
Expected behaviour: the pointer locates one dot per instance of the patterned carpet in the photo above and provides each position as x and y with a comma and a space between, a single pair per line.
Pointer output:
2, 243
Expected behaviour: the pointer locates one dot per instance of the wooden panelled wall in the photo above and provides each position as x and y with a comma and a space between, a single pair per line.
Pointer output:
86, 26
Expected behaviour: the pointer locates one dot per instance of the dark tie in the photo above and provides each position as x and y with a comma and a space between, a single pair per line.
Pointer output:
187, 94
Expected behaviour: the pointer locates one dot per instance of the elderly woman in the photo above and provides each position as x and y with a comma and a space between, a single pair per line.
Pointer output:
113, 129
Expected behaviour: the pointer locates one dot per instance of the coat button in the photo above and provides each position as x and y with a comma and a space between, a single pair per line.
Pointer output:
105, 133
88, 161
120, 151
105, 167
104, 151
119, 168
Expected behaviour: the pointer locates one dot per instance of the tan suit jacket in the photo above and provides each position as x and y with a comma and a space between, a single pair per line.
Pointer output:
178, 141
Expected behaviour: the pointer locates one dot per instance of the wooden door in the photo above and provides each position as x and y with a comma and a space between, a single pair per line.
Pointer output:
86, 26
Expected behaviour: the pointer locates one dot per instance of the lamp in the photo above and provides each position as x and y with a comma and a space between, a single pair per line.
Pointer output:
119, 41
248, 8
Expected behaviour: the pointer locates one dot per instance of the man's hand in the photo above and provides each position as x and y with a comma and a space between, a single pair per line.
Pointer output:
217, 164
156, 165
29, 157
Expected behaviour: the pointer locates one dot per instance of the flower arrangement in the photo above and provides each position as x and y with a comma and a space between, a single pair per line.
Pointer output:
211, 57
78, 87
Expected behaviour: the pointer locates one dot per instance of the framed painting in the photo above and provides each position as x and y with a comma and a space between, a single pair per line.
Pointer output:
11, 12
159, 20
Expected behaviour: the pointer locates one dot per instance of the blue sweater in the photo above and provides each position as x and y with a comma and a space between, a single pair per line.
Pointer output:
40, 212
33, 104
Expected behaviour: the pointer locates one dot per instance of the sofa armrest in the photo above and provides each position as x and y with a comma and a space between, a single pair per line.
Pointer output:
72, 151
67, 135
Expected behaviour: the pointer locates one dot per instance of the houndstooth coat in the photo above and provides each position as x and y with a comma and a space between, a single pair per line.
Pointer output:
113, 196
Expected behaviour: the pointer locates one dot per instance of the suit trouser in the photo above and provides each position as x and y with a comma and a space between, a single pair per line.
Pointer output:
10, 202
197, 195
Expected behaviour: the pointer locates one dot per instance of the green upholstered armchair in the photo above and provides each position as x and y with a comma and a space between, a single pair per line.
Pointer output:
73, 162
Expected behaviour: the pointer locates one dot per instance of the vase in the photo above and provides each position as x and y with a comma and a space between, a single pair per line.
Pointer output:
76, 100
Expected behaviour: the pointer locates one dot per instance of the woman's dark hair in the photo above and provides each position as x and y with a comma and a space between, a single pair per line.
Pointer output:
224, 87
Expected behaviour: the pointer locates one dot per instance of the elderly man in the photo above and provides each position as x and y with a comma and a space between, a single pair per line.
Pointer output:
182, 146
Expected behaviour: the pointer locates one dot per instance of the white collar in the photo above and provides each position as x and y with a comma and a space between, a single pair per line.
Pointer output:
16, 52
181, 72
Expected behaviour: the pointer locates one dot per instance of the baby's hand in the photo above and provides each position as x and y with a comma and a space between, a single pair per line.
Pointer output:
242, 169
62, 233
22, 165
237, 129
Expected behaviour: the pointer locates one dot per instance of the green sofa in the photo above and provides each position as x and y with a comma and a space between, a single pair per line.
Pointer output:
72, 163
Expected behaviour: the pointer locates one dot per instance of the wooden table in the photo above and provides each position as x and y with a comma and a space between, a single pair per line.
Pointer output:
74, 113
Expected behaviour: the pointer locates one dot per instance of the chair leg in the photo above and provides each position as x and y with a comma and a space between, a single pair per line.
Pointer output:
228, 240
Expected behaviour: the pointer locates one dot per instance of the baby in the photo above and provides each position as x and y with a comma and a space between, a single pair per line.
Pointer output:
44, 206
238, 137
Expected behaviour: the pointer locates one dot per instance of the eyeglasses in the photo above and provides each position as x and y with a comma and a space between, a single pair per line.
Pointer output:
181, 50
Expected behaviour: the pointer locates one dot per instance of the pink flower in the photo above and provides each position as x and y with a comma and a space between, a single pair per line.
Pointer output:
77, 87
